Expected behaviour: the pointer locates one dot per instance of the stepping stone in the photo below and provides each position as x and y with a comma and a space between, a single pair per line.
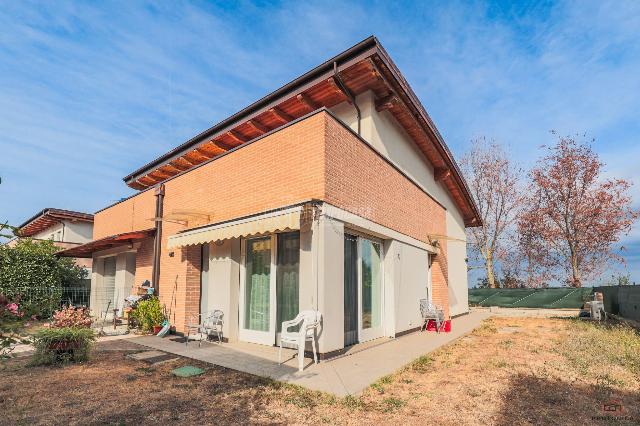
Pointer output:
152, 357
187, 371
140, 356
509, 329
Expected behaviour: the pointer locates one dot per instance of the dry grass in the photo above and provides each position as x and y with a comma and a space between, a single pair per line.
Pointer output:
509, 371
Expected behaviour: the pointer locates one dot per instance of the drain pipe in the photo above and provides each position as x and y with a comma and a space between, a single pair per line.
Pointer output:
347, 92
155, 280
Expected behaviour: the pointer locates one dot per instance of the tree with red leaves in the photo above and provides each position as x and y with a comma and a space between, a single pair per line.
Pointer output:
572, 217
494, 183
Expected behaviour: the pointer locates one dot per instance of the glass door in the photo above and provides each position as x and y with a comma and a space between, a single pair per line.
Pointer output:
287, 278
370, 290
258, 292
350, 290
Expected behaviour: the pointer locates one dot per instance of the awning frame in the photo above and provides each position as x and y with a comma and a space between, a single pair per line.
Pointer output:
87, 250
280, 220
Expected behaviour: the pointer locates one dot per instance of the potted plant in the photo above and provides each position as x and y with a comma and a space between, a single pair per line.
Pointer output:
69, 337
150, 314
57, 345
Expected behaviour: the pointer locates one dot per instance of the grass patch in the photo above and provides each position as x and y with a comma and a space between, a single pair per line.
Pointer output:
506, 344
487, 328
303, 398
421, 364
352, 402
499, 363
597, 345
392, 404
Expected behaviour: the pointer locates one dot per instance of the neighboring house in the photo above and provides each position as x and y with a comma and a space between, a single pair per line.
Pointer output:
335, 192
66, 228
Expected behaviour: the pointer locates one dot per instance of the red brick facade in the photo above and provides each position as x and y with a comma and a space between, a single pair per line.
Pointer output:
315, 158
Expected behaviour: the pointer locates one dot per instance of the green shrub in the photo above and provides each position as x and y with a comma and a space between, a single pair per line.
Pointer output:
61, 345
149, 313
70, 316
11, 325
32, 275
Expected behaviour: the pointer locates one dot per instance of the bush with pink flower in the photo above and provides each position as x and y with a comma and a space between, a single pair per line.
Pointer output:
70, 316
10, 326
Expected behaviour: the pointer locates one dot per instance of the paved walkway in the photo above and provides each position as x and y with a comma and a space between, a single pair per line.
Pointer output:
346, 375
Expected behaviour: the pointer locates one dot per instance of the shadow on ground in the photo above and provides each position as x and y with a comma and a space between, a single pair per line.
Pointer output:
533, 400
111, 389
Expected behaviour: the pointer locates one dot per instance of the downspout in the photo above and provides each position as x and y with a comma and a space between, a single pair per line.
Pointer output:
347, 92
159, 194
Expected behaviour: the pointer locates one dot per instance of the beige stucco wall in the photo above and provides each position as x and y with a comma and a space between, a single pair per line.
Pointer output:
221, 289
382, 131
124, 280
68, 232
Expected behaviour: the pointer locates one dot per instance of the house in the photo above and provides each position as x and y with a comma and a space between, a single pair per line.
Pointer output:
66, 228
335, 192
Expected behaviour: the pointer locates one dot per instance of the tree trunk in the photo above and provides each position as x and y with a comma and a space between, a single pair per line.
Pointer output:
575, 272
491, 277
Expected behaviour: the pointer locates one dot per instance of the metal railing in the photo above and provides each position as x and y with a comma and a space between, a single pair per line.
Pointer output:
42, 301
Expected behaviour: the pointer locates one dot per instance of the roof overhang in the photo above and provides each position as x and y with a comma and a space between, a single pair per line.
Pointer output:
49, 217
119, 240
365, 66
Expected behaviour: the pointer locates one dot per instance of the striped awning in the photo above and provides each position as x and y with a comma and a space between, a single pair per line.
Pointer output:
279, 221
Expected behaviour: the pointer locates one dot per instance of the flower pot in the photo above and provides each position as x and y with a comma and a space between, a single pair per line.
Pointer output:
156, 329
64, 345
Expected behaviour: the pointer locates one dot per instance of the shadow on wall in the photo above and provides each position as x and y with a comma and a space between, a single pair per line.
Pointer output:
533, 400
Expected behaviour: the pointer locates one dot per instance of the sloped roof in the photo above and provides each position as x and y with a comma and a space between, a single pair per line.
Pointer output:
48, 217
365, 66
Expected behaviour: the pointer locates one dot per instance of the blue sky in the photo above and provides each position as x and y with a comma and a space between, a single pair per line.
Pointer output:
90, 91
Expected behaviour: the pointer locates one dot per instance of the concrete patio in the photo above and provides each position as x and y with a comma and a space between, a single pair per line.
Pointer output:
348, 374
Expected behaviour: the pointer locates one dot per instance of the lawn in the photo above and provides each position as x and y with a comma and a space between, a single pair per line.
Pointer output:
509, 371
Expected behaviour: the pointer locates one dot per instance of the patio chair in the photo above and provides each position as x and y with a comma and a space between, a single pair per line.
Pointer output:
309, 321
205, 325
212, 324
429, 311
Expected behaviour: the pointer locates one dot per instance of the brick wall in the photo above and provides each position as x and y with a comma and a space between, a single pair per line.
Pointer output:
313, 159
279, 170
144, 261
133, 214
362, 182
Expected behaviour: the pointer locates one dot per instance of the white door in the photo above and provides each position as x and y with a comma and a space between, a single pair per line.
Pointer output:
370, 291
258, 291
106, 299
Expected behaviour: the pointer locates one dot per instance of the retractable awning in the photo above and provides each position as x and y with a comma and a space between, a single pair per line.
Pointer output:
87, 250
282, 220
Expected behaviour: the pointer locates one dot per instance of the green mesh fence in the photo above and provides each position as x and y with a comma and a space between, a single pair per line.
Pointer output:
549, 298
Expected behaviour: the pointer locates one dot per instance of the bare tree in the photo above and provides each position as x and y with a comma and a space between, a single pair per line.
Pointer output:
8, 231
573, 217
494, 182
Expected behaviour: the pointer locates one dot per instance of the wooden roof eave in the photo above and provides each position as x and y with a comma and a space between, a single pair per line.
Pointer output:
272, 100
300, 92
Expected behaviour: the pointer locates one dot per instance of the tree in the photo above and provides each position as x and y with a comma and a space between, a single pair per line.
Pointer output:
31, 274
494, 182
7, 231
573, 217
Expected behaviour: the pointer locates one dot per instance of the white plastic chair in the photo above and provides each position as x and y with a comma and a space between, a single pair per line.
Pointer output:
429, 311
309, 322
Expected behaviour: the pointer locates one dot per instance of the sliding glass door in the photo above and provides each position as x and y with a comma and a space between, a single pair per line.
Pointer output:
350, 290
258, 293
370, 290
269, 291
363, 292
287, 277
